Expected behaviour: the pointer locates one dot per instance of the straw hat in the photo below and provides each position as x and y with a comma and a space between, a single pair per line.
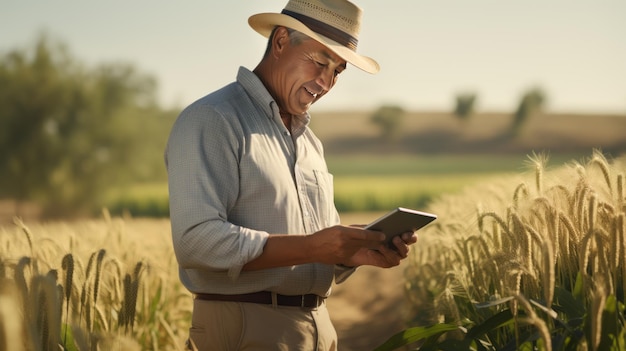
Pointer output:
333, 23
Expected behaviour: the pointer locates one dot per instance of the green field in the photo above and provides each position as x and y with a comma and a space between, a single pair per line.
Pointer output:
366, 183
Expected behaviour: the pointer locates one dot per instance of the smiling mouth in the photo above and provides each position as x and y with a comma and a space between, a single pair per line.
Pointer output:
310, 92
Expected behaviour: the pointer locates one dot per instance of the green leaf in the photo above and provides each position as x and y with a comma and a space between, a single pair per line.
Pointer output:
578, 292
67, 337
494, 322
565, 302
415, 334
610, 326
494, 302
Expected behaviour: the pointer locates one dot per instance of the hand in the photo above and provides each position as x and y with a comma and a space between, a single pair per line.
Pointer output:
384, 256
338, 244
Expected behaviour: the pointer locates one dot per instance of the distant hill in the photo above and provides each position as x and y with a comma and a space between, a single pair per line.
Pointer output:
439, 132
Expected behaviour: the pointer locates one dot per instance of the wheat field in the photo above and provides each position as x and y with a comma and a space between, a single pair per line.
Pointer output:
533, 261
106, 284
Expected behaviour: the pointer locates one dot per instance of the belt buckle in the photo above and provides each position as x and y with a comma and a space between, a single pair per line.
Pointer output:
302, 301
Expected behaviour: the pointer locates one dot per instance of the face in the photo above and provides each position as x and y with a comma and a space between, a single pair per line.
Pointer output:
304, 72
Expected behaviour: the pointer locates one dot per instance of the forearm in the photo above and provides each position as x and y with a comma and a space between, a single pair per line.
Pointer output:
282, 250
333, 245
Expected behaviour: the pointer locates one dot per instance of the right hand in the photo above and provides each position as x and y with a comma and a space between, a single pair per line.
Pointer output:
338, 244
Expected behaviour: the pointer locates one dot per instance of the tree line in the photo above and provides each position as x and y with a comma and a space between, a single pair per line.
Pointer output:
70, 133
388, 118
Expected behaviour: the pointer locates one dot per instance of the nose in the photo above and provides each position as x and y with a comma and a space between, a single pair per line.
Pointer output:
325, 79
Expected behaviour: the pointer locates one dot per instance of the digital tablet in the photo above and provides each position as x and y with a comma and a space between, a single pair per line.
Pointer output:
401, 220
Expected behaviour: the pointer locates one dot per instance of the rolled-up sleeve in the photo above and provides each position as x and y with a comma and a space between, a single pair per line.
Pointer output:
202, 162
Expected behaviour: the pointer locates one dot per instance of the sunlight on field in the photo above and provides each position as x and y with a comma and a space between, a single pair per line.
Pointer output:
543, 253
112, 283
118, 279
367, 193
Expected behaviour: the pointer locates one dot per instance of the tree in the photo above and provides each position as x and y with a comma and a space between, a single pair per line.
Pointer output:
67, 133
389, 119
531, 103
464, 105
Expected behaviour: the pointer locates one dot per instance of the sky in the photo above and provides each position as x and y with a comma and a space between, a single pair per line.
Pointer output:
429, 50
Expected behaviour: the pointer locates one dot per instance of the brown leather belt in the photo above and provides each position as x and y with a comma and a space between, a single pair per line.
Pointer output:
265, 297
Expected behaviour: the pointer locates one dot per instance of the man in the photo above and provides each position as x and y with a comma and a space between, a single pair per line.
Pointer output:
255, 230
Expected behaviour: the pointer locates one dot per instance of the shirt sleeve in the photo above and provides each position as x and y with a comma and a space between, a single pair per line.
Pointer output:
342, 273
202, 163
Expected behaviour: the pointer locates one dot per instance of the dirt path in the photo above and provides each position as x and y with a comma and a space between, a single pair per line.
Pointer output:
368, 308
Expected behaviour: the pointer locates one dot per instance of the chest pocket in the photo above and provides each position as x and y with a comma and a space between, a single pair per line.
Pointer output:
318, 207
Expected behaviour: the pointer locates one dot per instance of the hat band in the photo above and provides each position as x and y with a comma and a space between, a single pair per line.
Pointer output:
326, 30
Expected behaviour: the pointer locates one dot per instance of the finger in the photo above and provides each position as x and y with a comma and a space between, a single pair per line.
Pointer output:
402, 248
373, 236
409, 238
366, 238
391, 257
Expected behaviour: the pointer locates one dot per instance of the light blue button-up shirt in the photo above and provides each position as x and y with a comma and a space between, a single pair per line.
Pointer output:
236, 176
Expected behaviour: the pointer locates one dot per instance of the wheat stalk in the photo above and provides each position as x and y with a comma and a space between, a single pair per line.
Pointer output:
597, 306
592, 212
521, 189
68, 266
538, 161
599, 160
621, 232
96, 283
533, 319
29, 236
45, 311
548, 274
583, 189
621, 197
116, 278
131, 292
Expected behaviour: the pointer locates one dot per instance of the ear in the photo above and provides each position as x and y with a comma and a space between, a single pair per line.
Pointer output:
279, 41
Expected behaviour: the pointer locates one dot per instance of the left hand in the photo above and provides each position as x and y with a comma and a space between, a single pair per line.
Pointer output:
384, 256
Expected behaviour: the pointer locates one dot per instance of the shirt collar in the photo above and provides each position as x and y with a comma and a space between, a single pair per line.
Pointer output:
259, 94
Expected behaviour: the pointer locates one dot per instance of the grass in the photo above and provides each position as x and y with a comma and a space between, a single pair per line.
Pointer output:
380, 183
376, 193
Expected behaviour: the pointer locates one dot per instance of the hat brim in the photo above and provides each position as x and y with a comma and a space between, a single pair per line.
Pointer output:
264, 23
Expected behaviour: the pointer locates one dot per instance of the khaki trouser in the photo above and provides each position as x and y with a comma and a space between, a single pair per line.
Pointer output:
237, 326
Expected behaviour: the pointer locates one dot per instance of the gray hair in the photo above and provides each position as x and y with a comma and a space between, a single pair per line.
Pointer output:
295, 38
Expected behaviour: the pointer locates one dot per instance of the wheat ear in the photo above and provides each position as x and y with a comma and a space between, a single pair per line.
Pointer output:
522, 188
27, 233
96, 283
599, 160
68, 266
